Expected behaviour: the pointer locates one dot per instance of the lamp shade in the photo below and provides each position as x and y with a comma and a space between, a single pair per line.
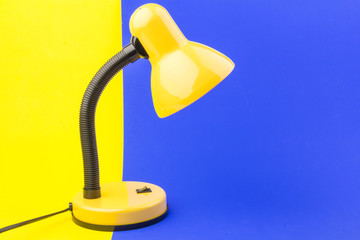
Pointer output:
182, 71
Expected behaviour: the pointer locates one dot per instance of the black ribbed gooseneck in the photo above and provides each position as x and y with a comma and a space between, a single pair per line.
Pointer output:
87, 117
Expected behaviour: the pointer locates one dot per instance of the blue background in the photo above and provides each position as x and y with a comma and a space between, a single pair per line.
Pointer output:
273, 151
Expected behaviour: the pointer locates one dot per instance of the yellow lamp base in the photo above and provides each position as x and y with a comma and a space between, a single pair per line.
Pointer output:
122, 206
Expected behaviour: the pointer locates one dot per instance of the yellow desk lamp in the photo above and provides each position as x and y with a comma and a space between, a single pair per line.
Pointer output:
182, 72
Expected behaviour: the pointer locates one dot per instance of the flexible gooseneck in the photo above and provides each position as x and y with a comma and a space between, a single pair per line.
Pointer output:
129, 54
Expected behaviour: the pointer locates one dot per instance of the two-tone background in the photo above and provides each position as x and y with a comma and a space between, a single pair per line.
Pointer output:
271, 153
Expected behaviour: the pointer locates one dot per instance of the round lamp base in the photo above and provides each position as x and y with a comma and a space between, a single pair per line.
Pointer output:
122, 206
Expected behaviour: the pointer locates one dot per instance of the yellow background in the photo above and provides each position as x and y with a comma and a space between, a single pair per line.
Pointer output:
49, 51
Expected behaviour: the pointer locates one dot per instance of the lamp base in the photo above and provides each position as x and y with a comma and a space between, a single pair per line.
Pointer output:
122, 206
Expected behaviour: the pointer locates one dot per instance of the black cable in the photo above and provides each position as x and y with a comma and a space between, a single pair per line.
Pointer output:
34, 220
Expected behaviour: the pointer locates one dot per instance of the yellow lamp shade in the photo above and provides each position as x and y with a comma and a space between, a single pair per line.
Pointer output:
182, 71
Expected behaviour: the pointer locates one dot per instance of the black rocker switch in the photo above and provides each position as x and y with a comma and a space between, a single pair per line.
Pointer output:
143, 190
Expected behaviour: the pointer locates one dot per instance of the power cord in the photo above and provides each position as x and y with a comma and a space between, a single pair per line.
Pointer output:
34, 219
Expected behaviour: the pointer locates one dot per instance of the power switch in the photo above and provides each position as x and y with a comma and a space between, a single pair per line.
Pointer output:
143, 190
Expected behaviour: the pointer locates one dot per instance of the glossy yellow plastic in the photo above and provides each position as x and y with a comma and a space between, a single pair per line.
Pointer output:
120, 204
182, 71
